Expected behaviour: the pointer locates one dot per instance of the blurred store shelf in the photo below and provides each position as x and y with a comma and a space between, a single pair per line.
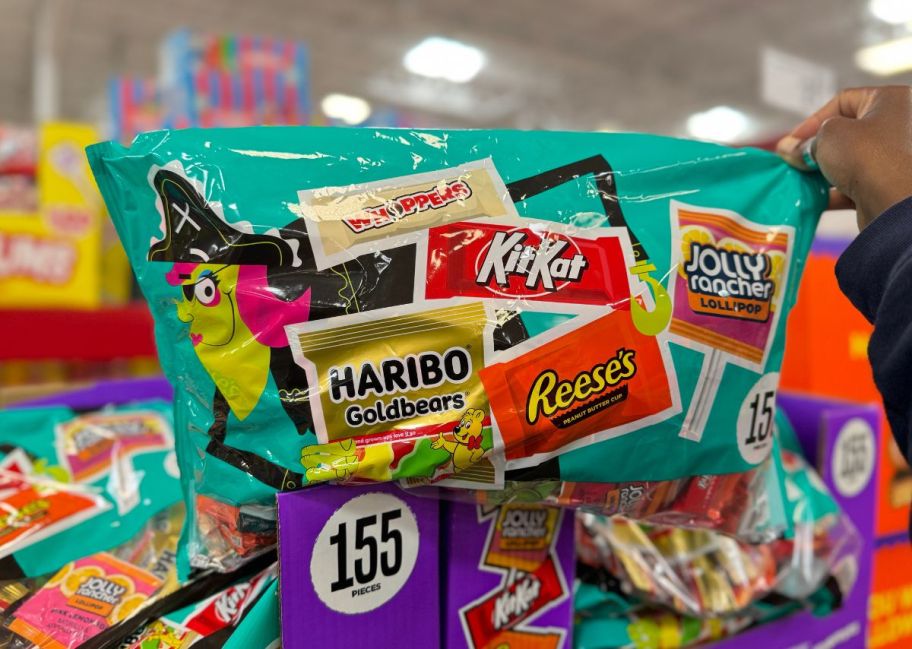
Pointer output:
96, 335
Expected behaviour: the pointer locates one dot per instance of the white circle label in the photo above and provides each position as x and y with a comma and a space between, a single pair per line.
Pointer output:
853, 457
365, 553
756, 420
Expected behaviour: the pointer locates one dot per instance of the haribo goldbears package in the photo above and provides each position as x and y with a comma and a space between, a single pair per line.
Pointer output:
456, 308
72, 484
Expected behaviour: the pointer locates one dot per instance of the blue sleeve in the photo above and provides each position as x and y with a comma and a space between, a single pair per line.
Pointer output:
875, 273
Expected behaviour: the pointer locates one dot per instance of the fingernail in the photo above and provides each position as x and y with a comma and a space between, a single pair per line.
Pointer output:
788, 144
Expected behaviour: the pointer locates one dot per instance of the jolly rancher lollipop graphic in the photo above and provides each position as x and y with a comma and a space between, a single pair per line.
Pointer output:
727, 294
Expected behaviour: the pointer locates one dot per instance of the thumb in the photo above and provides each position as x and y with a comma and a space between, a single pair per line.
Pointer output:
834, 151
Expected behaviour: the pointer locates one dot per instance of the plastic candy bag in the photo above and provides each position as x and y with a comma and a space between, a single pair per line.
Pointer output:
606, 618
706, 574
459, 308
217, 618
75, 484
750, 505
95, 593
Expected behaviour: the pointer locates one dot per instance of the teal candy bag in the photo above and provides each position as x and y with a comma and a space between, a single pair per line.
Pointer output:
455, 308
75, 484
242, 614
260, 628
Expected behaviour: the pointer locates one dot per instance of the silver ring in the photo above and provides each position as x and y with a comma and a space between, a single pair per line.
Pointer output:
809, 154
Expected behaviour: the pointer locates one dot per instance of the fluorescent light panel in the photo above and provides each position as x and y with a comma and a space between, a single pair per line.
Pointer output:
720, 124
346, 108
444, 58
895, 12
885, 59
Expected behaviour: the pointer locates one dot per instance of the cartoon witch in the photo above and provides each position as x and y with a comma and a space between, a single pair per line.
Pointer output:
239, 288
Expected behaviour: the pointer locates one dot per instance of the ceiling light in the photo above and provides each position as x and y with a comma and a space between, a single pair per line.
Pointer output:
609, 127
345, 108
895, 12
444, 58
884, 59
721, 124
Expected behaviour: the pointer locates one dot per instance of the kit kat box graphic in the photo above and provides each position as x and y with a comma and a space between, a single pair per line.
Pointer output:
534, 262
509, 576
730, 282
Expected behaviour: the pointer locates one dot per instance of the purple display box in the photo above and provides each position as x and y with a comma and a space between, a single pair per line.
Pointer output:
375, 564
509, 577
104, 393
359, 566
841, 439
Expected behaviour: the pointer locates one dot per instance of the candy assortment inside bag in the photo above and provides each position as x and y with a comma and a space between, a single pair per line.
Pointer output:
461, 308
750, 505
700, 572
642, 626
74, 484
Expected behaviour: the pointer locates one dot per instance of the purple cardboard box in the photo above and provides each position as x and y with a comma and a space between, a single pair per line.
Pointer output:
104, 393
509, 577
358, 567
841, 440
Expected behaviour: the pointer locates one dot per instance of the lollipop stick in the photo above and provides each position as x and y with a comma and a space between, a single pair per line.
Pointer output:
704, 395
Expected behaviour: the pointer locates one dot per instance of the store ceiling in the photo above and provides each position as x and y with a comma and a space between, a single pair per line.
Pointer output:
577, 64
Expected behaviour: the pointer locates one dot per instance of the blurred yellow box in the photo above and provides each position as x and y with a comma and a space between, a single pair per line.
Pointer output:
61, 256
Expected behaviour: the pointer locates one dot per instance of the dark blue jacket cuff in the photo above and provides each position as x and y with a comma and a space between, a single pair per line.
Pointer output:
864, 269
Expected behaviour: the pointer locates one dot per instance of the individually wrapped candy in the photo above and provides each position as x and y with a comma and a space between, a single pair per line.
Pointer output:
461, 308
606, 621
749, 505
216, 618
693, 571
704, 573
607, 618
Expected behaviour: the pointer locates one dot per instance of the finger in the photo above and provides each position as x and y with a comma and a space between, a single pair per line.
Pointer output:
839, 201
852, 103
835, 143
803, 157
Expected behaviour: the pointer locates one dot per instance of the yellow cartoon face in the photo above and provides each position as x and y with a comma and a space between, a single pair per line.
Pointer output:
209, 303
470, 426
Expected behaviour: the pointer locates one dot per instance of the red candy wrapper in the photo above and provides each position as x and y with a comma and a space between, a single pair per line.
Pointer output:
541, 264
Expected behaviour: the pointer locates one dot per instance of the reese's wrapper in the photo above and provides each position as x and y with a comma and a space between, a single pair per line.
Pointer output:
598, 377
352, 220
387, 381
